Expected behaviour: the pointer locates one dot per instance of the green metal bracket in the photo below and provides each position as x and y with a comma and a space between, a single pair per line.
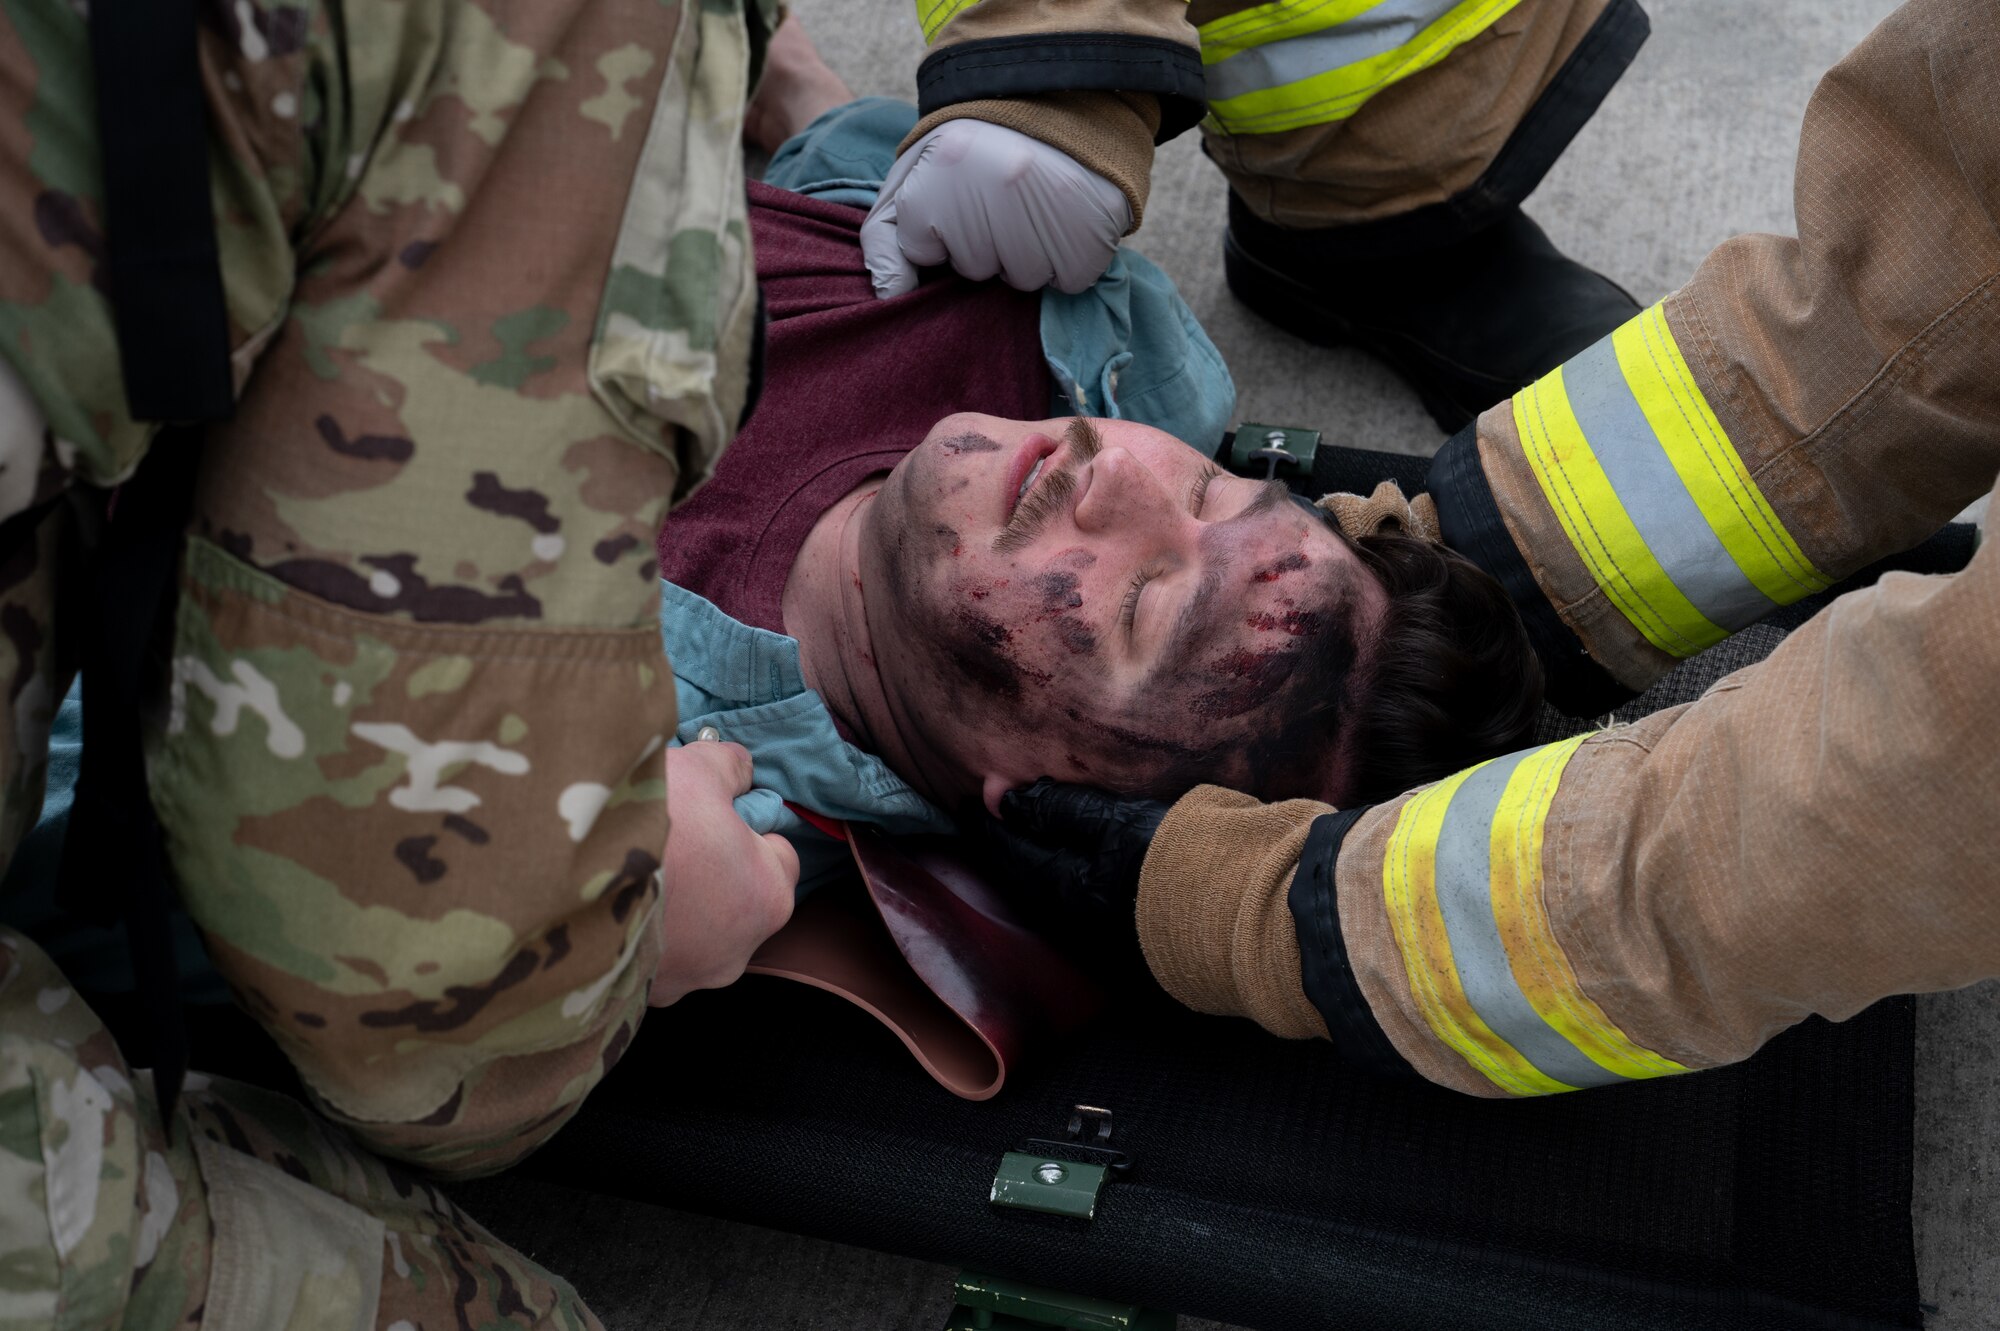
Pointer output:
1042, 1183
988, 1303
1265, 450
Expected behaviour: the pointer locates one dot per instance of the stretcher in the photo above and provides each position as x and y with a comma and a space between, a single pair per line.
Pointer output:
1164, 1162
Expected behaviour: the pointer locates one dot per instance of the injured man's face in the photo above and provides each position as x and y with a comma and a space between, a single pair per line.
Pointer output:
1095, 601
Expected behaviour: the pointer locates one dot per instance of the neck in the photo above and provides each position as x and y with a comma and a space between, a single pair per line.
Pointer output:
825, 608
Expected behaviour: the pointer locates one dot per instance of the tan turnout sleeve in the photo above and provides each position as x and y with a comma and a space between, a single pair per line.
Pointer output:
1814, 834
1418, 139
1814, 402
1817, 831
1109, 132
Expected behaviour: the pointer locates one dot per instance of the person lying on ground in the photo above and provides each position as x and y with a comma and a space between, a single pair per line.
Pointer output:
961, 545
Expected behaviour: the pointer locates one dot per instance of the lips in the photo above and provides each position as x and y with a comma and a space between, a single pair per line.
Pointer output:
1028, 467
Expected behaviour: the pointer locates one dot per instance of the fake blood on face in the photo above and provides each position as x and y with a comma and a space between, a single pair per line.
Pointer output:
1292, 563
978, 648
1254, 678
1296, 623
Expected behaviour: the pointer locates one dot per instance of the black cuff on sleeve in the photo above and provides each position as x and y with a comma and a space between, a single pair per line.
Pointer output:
1068, 62
1470, 523
1324, 971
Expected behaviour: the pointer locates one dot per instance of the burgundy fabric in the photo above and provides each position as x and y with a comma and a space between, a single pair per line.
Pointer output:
851, 384
941, 960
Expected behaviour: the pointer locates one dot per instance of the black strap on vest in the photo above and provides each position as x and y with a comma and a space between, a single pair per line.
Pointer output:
165, 274
114, 862
165, 285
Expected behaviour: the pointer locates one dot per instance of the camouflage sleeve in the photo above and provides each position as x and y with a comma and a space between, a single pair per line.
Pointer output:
279, 112
250, 1214
491, 263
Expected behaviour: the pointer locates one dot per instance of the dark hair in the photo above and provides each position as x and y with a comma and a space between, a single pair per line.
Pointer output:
1443, 679
1446, 679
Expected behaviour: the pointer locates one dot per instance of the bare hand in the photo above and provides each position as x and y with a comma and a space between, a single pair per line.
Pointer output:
727, 889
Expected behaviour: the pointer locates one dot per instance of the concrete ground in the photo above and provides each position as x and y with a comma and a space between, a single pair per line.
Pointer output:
1694, 146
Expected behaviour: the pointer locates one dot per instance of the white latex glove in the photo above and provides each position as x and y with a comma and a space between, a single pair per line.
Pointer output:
991, 200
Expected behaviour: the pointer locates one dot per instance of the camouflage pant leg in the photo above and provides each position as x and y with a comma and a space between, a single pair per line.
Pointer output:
490, 265
411, 770
251, 1214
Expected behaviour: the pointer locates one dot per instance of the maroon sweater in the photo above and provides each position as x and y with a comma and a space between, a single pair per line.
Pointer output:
851, 384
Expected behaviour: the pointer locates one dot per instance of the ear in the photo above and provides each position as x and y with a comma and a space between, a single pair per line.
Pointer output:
992, 787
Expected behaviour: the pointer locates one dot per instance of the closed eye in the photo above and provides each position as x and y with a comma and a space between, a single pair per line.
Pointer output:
1130, 609
1198, 497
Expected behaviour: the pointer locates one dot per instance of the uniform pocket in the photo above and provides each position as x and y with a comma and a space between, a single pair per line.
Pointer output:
286, 1256
416, 850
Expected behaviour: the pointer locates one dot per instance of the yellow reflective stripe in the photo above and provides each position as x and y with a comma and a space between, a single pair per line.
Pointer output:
1540, 967
1261, 24
1338, 93
1708, 463
934, 14
1409, 890
1602, 532
1652, 493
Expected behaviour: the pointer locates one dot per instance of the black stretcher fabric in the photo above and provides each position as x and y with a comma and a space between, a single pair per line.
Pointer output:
1274, 1187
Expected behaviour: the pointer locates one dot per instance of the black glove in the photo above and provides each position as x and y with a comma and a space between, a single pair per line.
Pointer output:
1077, 850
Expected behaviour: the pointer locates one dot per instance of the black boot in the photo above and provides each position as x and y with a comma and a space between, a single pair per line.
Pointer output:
1467, 325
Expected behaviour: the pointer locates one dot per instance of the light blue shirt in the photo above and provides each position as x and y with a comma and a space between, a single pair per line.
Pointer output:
746, 682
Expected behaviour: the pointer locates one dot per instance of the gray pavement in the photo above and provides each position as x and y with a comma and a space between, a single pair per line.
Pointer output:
1694, 146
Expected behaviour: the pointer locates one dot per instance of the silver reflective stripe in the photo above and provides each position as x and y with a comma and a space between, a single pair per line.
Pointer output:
1665, 514
1465, 899
1378, 30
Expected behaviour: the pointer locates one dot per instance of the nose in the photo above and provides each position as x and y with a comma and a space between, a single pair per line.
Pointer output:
1123, 493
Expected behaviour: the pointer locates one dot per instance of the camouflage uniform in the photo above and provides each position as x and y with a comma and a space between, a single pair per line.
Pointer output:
251, 1214
491, 300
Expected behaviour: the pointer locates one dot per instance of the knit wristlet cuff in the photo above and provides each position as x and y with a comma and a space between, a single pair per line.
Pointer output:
1213, 917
